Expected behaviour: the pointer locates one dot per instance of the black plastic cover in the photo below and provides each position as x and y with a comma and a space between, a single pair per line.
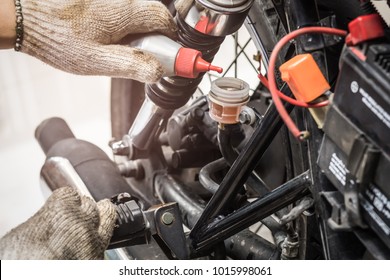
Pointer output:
362, 93
355, 152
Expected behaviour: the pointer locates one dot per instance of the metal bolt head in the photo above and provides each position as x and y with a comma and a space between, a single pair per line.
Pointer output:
167, 218
247, 115
120, 148
244, 117
123, 197
290, 249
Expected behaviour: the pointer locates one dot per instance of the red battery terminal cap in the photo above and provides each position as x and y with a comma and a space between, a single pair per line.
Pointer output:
189, 63
364, 28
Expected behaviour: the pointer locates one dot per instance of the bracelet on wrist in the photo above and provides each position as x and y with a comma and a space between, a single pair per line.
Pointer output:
19, 26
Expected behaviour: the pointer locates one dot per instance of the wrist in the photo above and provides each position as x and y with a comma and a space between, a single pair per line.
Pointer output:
7, 24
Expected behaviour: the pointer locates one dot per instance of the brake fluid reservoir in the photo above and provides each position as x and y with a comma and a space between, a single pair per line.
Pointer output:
226, 98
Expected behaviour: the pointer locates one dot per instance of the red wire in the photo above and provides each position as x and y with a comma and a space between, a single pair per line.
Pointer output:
295, 102
271, 70
263, 80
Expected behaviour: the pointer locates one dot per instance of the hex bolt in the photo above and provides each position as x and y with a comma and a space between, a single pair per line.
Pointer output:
120, 148
247, 116
167, 218
244, 118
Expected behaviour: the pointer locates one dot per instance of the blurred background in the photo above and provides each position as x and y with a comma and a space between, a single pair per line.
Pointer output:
31, 91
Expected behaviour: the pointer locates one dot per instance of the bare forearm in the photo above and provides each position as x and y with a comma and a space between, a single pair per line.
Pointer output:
7, 24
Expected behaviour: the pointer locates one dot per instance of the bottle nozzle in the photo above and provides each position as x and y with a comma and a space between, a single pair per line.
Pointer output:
216, 69
202, 65
189, 63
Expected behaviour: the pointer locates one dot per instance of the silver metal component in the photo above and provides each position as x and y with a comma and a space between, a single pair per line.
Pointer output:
120, 148
294, 213
383, 9
229, 3
147, 125
163, 48
122, 197
167, 218
244, 117
247, 115
132, 168
290, 248
118, 254
214, 17
58, 172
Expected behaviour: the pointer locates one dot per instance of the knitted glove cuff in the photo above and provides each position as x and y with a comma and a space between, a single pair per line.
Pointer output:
68, 226
76, 38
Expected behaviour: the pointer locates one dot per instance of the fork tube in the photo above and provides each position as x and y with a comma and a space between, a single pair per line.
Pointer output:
202, 25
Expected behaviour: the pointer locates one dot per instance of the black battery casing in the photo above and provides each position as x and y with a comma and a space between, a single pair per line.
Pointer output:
362, 92
361, 110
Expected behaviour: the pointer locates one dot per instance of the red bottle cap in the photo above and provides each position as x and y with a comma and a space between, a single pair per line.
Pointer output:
189, 63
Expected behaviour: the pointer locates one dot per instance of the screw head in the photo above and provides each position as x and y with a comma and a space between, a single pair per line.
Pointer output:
167, 218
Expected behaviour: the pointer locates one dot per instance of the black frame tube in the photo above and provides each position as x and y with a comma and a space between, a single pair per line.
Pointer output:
282, 196
170, 189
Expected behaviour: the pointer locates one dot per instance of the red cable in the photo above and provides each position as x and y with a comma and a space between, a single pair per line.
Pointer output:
263, 80
271, 69
295, 102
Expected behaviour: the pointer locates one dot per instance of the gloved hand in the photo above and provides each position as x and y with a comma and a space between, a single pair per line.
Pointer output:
68, 226
81, 36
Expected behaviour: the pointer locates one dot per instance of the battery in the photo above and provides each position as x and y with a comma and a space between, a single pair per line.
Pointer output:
362, 92
374, 199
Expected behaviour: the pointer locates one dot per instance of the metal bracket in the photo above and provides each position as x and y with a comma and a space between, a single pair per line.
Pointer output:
135, 226
169, 228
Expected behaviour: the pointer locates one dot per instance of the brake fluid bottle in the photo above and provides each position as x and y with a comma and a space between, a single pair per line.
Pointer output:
175, 59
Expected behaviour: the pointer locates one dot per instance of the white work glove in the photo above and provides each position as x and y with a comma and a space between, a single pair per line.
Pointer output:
68, 226
82, 36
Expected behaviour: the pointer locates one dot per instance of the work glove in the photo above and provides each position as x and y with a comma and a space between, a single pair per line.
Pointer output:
68, 226
82, 36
